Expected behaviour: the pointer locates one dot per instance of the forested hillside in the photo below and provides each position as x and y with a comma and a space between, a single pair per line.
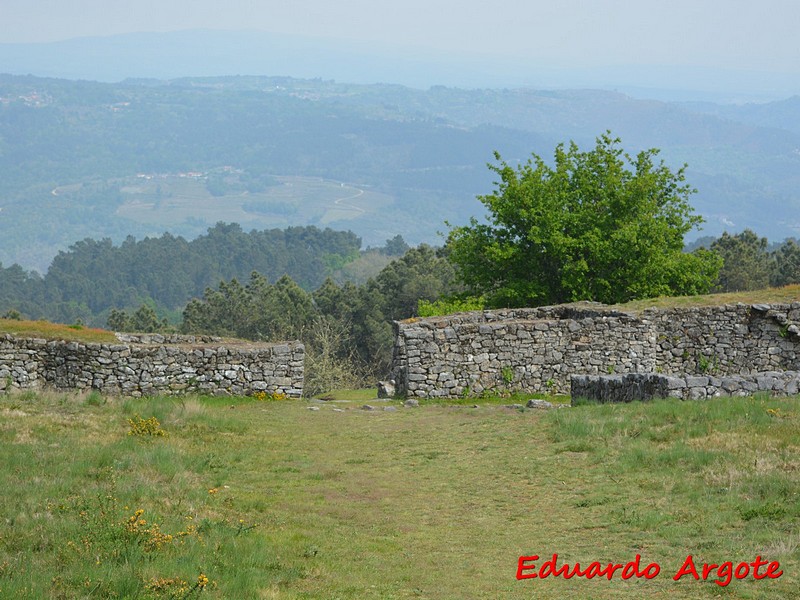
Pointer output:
70, 153
85, 159
94, 276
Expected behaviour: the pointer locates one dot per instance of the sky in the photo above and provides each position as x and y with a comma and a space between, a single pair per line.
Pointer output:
730, 34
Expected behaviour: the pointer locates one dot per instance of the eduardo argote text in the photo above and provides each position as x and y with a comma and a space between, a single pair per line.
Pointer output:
530, 567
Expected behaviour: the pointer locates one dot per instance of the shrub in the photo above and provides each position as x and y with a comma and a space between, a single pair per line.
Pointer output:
146, 427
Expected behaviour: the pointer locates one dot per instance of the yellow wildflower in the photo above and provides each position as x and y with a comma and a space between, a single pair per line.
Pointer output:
202, 581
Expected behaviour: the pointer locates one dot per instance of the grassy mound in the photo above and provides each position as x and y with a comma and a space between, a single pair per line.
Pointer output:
782, 295
236, 498
55, 331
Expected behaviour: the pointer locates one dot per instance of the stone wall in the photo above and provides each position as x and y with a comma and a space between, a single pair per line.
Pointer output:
533, 350
538, 349
646, 386
148, 365
732, 339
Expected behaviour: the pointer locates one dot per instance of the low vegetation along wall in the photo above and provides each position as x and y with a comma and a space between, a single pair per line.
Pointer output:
153, 364
539, 349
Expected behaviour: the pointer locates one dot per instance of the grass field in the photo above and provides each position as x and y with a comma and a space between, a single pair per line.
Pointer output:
245, 499
171, 200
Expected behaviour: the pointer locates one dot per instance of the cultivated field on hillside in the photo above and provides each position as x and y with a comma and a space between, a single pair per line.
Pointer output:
170, 200
246, 498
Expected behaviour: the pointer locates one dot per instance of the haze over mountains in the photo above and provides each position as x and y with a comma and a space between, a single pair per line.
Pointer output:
202, 53
176, 149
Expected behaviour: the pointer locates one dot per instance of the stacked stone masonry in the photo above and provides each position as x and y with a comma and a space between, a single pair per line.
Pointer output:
539, 349
646, 386
149, 365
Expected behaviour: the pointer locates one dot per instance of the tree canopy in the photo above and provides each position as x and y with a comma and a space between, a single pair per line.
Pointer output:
597, 225
746, 264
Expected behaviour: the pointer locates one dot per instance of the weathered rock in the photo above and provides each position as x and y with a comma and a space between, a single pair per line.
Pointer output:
541, 404
386, 389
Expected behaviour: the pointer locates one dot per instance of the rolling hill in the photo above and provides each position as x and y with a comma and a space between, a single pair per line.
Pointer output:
140, 157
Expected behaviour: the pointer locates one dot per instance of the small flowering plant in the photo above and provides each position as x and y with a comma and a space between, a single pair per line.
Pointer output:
270, 396
177, 588
145, 427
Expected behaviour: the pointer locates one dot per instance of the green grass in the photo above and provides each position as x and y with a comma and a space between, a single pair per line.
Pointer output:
782, 295
55, 331
272, 500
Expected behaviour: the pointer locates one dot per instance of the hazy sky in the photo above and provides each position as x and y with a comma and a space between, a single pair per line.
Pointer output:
743, 34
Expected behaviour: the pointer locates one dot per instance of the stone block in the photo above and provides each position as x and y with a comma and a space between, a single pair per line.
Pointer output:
766, 383
697, 393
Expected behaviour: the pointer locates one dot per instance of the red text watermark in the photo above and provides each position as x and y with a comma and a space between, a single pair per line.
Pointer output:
530, 567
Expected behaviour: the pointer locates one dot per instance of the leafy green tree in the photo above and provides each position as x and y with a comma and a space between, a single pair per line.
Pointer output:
167, 271
421, 273
371, 328
256, 311
597, 225
396, 246
119, 320
219, 312
282, 311
786, 264
21, 291
746, 264
143, 320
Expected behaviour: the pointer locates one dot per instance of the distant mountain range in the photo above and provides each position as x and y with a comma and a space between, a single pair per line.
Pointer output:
202, 53
89, 159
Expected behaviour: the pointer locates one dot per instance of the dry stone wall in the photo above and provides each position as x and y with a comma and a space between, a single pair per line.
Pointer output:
533, 350
539, 349
733, 339
646, 386
149, 365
